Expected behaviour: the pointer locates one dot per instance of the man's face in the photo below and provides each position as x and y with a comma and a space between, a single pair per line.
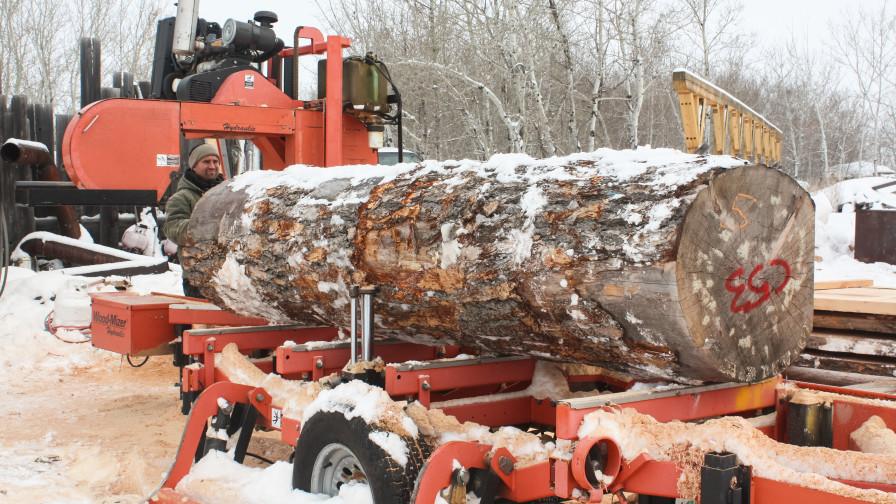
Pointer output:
208, 167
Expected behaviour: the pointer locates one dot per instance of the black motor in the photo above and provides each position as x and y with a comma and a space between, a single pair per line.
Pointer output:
217, 54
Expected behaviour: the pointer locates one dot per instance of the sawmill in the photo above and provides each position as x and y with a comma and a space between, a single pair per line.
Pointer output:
614, 326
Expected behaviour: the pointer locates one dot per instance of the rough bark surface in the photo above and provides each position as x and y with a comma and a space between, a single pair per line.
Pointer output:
667, 266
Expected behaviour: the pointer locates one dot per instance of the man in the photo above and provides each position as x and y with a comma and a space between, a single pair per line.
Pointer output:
204, 173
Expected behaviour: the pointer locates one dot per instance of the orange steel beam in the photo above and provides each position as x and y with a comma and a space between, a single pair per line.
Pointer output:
207, 313
333, 102
687, 404
196, 341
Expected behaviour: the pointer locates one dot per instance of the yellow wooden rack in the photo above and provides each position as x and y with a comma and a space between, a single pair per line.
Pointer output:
737, 129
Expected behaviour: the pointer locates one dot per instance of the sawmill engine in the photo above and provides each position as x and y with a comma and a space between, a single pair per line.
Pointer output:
193, 56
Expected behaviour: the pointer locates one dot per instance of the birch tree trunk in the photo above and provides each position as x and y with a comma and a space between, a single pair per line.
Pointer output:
655, 263
569, 67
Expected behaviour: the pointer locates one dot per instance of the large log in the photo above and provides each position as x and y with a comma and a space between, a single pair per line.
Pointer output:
652, 262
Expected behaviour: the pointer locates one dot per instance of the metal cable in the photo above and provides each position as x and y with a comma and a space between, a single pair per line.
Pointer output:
128, 357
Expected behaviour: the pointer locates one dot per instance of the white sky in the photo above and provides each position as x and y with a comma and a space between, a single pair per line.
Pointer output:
772, 21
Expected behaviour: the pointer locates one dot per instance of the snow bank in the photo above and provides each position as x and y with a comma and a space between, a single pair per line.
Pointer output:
29, 297
861, 192
835, 230
218, 479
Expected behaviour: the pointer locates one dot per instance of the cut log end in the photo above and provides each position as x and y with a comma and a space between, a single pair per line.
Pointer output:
745, 272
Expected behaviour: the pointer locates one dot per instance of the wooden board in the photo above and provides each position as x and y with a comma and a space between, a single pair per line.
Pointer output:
842, 284
848, 363
826, 376
885, 324
883, 386
852, 343
859, 300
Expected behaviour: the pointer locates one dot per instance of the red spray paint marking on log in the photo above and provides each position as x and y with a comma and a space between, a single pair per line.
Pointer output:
764, 289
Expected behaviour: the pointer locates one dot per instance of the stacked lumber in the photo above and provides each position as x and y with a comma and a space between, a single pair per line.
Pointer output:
853, 338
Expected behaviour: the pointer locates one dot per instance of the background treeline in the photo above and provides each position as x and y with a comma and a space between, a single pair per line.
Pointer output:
557, 76
545, 77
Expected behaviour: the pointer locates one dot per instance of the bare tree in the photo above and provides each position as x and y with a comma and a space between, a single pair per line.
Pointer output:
642, 30
865, 45
545, 76
710, 27
569, 67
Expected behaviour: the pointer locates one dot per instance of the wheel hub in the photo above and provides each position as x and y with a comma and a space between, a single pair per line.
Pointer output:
335, 466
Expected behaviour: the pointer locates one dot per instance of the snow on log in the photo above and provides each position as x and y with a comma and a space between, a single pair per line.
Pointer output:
652, 262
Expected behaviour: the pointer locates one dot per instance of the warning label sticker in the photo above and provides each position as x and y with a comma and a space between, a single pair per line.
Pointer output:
167, 160
249, 81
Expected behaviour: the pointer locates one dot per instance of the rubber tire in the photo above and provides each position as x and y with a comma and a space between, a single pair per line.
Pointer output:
389, 482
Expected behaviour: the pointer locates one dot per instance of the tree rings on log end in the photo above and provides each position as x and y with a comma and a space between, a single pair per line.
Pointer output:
744, 271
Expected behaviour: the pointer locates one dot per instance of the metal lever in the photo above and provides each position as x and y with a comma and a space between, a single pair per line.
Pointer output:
367, 294
353, 300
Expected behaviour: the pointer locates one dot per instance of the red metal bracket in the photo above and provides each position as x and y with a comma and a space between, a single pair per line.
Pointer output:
579, 464
459, 375
261, 400
503, 463
435, 474
289, 432
850, 415
423, 390
208, 360
647, 476
206, 406
320, 363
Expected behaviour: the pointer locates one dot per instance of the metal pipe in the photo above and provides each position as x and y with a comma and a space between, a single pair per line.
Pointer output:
25, 152
367, 324
295, 62
301, 32
353, 303
185, 28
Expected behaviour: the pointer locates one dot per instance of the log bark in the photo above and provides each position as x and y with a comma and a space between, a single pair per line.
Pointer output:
675, 267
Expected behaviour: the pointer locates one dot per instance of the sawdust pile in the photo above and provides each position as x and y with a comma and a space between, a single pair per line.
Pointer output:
527, 447
300, 400
291, 395
809, 467
874, 437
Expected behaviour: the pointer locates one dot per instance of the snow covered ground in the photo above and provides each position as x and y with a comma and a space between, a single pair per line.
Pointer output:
835, 222
83, 427
80, 426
